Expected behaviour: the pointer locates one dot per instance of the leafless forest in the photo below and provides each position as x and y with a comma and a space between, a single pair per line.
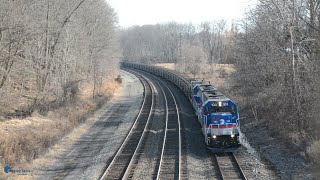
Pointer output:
275, 50
58, 59
49, 48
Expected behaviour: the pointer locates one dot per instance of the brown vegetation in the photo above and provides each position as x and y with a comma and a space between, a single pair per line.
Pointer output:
23, 140
50, 48
276, 68
58, 61
170, 66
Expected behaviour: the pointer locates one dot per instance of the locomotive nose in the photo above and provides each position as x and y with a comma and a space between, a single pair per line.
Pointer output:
225, 118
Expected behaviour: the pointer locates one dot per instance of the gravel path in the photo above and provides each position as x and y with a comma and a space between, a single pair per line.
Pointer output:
86, 157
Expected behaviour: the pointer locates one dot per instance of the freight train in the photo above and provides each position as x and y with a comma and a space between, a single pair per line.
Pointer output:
217, 114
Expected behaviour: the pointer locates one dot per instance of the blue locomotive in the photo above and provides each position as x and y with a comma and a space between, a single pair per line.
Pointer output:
218, 116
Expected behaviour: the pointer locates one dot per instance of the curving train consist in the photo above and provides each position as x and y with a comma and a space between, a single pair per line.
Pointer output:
217, 114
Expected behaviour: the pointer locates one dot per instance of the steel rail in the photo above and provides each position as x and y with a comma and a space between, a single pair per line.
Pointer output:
104, 175
165, 137
215, 159
233, 164
165, 132
238, 167
126, 174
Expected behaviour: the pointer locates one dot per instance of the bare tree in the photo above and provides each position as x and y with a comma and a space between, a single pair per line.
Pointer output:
192, 61
212, 40
276, 63
46, 45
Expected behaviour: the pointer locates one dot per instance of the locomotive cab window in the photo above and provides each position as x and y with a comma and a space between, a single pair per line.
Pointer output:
217, 109
233, 109
205, 111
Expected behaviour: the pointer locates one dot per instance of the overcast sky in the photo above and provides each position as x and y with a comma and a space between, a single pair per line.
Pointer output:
140, 12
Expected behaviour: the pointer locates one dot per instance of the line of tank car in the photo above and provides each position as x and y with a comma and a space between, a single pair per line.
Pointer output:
217, 114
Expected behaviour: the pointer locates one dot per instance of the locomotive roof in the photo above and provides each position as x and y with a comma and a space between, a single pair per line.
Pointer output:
211, 93
207, 87
217, 95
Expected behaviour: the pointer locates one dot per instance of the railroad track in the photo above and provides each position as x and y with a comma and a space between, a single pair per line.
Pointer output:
143, 146
228, 166
168, 166
123, 159
170, 160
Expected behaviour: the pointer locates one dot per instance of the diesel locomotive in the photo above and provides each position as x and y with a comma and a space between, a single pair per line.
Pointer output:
218, 116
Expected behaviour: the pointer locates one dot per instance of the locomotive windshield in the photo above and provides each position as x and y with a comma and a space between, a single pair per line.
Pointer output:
216, 109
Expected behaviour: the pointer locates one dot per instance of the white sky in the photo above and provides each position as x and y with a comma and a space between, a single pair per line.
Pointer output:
140, 12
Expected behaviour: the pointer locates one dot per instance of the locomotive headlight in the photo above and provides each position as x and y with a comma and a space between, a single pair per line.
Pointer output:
214, 136
220, 103
232, 135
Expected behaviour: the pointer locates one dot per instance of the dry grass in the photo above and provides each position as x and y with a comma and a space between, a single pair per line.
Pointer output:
22, 141
218, 75
107, 88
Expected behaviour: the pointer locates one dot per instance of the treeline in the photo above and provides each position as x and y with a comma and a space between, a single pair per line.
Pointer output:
208, 42
278, 60
49, 48
275, 49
